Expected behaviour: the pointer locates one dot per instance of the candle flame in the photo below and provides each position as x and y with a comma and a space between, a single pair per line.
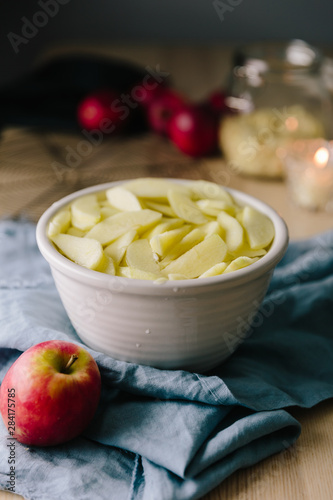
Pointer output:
321, 157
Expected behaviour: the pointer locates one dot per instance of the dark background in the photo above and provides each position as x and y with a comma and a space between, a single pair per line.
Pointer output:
159, 22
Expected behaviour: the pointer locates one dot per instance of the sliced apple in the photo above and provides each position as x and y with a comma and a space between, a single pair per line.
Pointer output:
85, 212
214, 270
246, 251
139, 255
86, 252
111, 228
162, 243
176, 277
165, 224
234, 233
212, 227
151, 188
214, 207
116, 250
138, 274
258, 227
189, 241
199, 259
185, 208
239, 263
205, 189
59, 223
74, 231
123, 199
107, 212
160, 207
106, 265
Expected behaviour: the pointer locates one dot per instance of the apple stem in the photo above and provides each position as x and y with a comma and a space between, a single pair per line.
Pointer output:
71, 360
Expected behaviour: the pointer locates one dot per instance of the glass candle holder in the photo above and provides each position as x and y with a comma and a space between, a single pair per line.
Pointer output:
309, 173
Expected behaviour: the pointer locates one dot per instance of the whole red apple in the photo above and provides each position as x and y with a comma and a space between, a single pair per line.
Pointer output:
50, 394
194, 131
100, 107
162, 108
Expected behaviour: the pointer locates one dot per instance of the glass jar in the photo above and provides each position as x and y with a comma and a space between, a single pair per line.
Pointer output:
276, 95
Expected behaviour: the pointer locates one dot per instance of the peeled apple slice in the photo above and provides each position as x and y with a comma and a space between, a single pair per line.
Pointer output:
139, 255
199, 259
116, 250
60, 223
138, 274
106, 265
205, 189
123, 199
111, 228
162, 243
160, 207
189, 241
185, 208
163, 225
150, 188
239, 263
258, 227
234, 233
214, 207
74, 231
86, 212
215, 270
83, 251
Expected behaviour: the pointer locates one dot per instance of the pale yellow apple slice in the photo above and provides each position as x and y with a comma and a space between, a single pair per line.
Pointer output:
199, 259
162, 243
160, 207
185, 208
139, 255
239, 263
74, 231
214, 207
107, 212
106, 265
123, 199
212, 227
151, 188
116, 250
85, 212
258, 227
59, 223
165, 224
177, 276
205, 189
86, 252
214, 270
138, 274
234, 233
246, 251
111, 228
189, 241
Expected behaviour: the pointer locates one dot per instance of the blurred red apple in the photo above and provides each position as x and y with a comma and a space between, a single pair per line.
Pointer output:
99, 108
217, 103
162, 108
194, 131
54, 389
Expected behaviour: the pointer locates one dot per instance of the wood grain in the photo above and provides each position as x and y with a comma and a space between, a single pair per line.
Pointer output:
31, 179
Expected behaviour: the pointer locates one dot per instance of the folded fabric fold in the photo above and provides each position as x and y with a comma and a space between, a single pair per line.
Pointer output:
169, 435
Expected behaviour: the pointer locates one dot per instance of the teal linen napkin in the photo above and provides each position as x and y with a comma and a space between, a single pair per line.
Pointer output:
173, 435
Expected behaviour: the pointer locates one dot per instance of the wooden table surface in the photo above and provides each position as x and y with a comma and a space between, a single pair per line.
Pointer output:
29, 183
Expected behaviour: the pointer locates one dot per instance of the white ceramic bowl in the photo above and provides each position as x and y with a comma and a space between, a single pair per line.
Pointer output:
189, 324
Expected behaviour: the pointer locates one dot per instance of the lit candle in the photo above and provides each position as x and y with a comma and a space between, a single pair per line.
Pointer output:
310, 175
